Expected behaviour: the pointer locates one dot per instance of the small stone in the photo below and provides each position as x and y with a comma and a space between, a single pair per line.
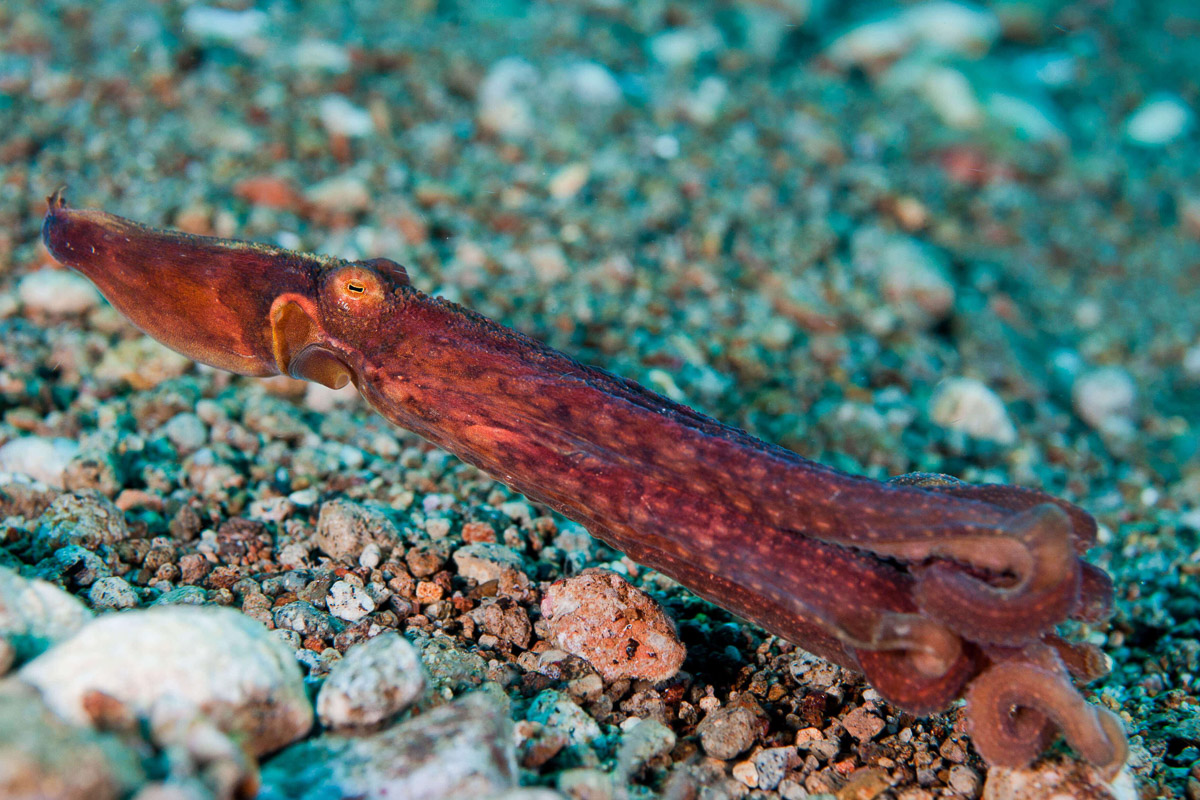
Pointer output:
1105, 398
36, 614
56, 291
375, 681
645, 741
460, 750
1159, 121
969, 406
321, 55
186, 431
170, 663
112, 593
912, 277
341, 117
486, 561
504, 619
341, 194
615, 627
964, 780
728, 732
567, 182
863, 724
85, 518
345, 528
746, 772
556, 710
593, 85
349, 602
772, 764
586, 783
1059, 777
142, 363
306, 619
223, 26
504, 104
38, 457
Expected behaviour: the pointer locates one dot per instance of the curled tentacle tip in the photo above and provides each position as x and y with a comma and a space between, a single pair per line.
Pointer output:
55, 199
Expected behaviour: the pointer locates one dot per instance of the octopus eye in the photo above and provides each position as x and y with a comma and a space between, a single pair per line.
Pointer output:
356, 287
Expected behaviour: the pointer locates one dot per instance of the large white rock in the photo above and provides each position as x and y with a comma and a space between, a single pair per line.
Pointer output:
171, 662
38, 457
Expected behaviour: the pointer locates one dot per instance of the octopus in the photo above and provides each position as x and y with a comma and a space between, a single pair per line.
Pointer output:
934, 589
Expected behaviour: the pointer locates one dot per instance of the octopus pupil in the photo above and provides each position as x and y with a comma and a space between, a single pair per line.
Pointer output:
356, 288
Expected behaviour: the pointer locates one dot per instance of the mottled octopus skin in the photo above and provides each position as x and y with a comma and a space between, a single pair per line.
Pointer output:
935, 589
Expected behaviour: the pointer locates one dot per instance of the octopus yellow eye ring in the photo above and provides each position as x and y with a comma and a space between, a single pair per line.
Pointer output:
355, 287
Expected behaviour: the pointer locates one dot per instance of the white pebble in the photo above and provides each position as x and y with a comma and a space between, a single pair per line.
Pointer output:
222, 25
319, 55
340, 116
967, 405
503, 103
348, 602
341, 194
593, 84
56, 291
112, 593
1104, 398
39, 458
1161, 120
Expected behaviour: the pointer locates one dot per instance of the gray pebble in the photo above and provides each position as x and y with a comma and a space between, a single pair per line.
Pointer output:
112, 593
376, 680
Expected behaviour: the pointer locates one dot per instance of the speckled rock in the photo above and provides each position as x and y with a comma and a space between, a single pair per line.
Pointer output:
38, 457
451, 667
43, 757
35, 614
348, 602
172, 662
619, 629
728, 731
969, 406
486, 561
112, 593
345, 528
376, 680
459, 750
911, 276
305, 619
556, 710
56, 291
85, 518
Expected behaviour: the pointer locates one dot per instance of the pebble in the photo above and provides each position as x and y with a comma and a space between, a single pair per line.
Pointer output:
85, 518
321, 55
142, 363
593, 85
1105, 399
1159, 121
372, 683
460, 750
223, 26
341, 194
41, 756
349, 602
345, 528
586, 783
186, 431
863, 724
912, 276
555, 710
171, 663
38, 457
341, 117
56, 291
36, 614
617, 628
772, 764
727, 732
112, 593
305, 619
486, 561
938, 26
648, 739
964, 780
504, 107
969, 406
